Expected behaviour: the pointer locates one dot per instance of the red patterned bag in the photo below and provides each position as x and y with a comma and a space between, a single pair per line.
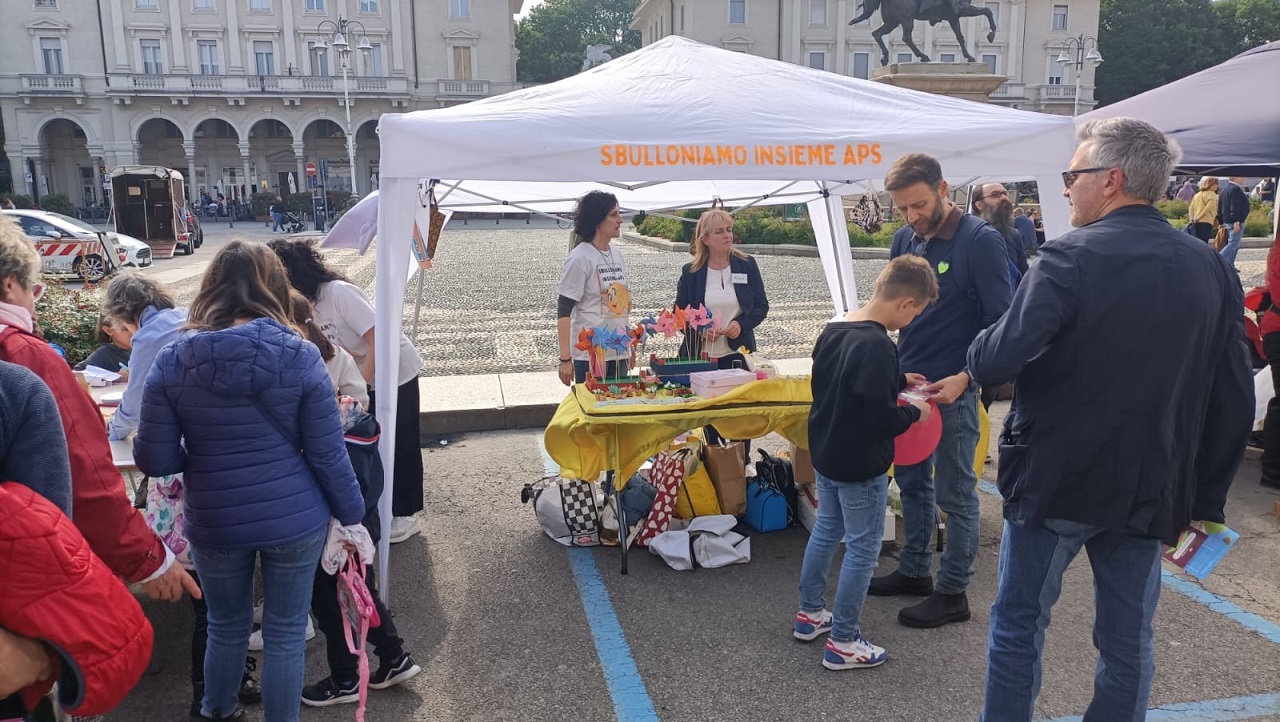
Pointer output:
666, 475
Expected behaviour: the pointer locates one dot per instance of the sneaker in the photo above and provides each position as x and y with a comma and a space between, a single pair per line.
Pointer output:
328, 692
257, 613
937, 610
895, 583
811, 626
403, 527
389, 674
250, 691
858, 654
239, 715
255, 639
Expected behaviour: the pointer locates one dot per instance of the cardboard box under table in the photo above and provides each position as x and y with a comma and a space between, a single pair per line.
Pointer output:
587, 437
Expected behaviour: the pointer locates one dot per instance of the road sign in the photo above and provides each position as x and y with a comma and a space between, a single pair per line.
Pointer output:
311, 169
793, 211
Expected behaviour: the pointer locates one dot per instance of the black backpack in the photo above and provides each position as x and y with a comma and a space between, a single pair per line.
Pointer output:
777, 473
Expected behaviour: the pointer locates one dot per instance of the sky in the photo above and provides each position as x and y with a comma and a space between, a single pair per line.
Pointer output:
529, 5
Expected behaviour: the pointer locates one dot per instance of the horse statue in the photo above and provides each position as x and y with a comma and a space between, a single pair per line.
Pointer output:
905, 13
596, 54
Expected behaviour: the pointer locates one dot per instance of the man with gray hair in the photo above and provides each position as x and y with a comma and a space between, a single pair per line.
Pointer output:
1095, 455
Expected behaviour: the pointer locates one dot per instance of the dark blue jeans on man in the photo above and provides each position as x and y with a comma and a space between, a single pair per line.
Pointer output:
1126, 589
277, 222
947, 480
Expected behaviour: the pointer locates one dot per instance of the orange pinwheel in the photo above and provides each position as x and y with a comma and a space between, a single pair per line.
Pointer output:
584, 340
679, 316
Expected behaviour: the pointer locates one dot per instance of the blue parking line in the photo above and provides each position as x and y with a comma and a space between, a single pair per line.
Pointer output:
1230, 709
631, 702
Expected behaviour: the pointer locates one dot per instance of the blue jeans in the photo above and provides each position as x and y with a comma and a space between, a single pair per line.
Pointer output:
950, 472
1230, 250
854, 512
1126, 588
277, 221
226, 578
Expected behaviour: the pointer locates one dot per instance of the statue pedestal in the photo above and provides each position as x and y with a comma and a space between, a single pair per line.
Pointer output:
971, 81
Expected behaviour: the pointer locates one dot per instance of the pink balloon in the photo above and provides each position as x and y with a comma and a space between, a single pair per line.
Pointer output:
919, 441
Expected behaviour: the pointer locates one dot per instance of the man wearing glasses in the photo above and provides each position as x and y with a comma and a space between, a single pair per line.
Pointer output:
969, 259
992, 204
1091, 456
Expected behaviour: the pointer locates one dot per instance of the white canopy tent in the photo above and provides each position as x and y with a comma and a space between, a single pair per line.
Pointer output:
678, 124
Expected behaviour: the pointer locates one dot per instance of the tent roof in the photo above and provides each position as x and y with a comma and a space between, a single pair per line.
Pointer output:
681, 110
1239, 139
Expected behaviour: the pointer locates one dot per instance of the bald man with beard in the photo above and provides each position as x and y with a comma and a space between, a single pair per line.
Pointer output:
993, 204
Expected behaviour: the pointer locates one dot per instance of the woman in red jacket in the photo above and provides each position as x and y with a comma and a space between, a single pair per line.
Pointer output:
114, 529
1270, 328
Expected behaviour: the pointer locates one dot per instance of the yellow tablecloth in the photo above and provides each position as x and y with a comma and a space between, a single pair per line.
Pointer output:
586, 439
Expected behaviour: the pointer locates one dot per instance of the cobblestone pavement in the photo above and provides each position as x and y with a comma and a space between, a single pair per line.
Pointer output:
488, 305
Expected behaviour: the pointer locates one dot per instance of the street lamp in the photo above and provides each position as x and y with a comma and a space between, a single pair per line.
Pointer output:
339, 32
1074, 53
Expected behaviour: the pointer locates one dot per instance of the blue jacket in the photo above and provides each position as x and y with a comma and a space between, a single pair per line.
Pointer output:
1027, 229
247, 486
973, 291
1133, 397
33, 447
691, 290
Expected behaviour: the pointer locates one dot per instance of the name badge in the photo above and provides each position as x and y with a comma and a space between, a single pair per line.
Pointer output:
739, 278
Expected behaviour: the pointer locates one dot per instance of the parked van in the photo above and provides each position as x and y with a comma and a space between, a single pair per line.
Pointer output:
148, 202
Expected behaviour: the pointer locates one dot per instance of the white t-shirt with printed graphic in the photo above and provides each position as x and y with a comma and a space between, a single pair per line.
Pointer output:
344, 314
597, 281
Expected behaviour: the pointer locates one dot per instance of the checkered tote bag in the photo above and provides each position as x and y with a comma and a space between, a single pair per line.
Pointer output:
567, 509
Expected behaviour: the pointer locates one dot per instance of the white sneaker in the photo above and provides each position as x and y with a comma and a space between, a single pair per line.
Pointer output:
257, 613
403, 527
858, 654
255, 639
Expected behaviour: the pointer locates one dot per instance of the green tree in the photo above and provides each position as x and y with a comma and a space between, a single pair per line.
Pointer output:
552, 40
1148, 43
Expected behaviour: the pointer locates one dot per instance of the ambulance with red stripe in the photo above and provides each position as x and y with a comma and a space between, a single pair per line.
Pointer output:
71, 247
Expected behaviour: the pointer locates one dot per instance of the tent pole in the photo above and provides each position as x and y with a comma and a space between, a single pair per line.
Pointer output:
417, 305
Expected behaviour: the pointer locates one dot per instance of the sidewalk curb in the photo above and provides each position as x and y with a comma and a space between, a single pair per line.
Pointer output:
789, 249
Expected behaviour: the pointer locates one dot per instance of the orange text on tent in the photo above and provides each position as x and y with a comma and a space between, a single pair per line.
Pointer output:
821, 154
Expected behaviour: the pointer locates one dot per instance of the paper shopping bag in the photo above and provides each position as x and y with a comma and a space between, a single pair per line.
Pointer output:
727, 468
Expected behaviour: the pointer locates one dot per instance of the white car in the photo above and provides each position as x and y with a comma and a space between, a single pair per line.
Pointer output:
62, 241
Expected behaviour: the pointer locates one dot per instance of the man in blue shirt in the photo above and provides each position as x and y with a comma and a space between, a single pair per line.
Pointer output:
973, 291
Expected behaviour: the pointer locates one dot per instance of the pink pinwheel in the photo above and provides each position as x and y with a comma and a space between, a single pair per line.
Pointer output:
697, 317
666, 324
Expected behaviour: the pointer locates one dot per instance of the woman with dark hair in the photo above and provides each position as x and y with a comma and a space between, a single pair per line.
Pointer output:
345, 315
244, 409
342, 369
113, 353
593, 287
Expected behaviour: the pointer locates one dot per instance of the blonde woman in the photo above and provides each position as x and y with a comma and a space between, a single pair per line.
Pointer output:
726, 281
1204, 209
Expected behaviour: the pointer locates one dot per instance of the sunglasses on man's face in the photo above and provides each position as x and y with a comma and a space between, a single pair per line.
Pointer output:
1069, 176
994, 194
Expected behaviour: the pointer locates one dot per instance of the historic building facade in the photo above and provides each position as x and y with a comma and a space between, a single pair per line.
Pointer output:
235, 93
1030, 36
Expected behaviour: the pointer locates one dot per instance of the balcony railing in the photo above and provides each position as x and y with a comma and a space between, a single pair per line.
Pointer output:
237, 85
52, 83
1058, 92
1010, 90
464, 88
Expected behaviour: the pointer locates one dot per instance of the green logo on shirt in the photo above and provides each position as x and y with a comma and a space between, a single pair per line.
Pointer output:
943, 267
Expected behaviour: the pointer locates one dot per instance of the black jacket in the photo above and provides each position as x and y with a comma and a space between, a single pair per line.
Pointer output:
692, 291
1133, 398
1233, 204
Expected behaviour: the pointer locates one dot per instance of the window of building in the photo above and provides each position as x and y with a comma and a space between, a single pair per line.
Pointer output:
1059, 17
904, 57
320, 61
946, 57
203, 4
1053, 71
151, 64
990, 60
315, 6
264, 55
51, 54
995, 11
207, 50
146, 4
369, 6
817, 12
860, 65
737, 12
462, 62
460, 9
46, 3
818, 60
260, 5
375, 61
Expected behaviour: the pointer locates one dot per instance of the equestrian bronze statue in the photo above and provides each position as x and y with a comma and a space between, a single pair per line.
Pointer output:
905, 13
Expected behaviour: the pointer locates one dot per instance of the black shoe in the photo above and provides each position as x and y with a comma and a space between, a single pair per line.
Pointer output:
1270, 484
238, 716
895, 583
330, 691
389, 674
937, 610
1256, 440
250, 690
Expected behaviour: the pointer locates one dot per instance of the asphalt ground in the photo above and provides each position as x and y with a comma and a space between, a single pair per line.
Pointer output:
508, 625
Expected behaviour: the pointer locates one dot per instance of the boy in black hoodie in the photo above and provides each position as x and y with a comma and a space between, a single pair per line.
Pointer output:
852, 425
